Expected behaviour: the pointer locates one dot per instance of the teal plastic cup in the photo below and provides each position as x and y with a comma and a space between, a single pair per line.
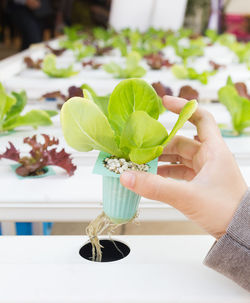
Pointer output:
119, 203
48, 172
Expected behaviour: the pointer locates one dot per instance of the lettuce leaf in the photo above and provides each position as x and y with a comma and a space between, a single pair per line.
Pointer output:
11, 108
184, 72
226, 39
6, 103
73, 32
34, 118
132, 68
49, 68
238, 107
129, 96
85, 127
184, 115
103, 35
242, 51
82, 51
139, 137
188, 92
17, 108
40, 156
212, 35
130, 129
101, 101
120, 43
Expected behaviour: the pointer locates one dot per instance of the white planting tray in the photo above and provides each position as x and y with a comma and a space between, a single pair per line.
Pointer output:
158, 269
239, 146
15, 76
63, 198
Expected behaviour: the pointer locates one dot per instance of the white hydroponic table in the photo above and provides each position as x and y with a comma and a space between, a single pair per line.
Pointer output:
158, 269
59, 198
15, 76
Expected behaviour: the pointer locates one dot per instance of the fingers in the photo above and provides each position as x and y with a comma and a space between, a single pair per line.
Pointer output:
182, 146
170, 158
176, 172
202, 119
158, 188
176, 158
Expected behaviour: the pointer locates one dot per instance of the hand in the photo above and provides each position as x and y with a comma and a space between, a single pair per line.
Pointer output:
213, 185
33, 4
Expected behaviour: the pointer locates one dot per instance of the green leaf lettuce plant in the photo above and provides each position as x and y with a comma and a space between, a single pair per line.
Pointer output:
241, 49
11, 107
50, 68
238, 106
130, 129
101, 101
103, 35
212, 35
195, 49
183, 72
132, 68
82, 51
120, 43
74, 33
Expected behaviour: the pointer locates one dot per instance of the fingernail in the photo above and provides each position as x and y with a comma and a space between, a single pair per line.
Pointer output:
128, 179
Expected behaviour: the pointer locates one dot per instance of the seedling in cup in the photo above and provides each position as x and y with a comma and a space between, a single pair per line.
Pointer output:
129, 131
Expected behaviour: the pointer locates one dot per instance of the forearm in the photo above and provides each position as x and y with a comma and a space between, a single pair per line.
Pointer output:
230, 255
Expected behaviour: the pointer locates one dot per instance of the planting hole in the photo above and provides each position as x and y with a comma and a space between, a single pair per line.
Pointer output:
111, 251
39, 172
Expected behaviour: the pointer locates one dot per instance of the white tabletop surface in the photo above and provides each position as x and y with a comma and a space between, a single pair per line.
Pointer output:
158, 269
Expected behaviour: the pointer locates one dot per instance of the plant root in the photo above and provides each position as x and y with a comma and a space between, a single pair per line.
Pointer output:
96, 228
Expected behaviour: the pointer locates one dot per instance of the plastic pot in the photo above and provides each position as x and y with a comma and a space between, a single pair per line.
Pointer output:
119, 203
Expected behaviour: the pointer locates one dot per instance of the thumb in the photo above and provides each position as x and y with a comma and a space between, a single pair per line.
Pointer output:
158, 188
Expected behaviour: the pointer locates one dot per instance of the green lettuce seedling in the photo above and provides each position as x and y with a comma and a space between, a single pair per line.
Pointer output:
146, 43
74, 33
226, 39
242, 51
103, 35
212, 35
11, 107
49, 68
238, 106
82, 51
195, 49
120, 43
184, 72
132, 68
101, 101
73, 36
130, 130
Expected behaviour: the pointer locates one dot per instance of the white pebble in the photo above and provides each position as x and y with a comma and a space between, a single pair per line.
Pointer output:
118, 166
125, 166
120, 170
